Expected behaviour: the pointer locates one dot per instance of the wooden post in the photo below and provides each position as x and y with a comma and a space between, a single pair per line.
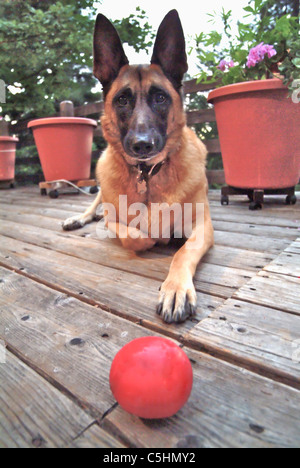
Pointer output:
4, 128
66, 109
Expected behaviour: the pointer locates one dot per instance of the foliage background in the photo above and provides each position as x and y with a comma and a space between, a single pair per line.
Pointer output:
46, 53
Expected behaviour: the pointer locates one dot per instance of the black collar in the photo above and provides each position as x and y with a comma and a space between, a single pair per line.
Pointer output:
149, 171
144, 174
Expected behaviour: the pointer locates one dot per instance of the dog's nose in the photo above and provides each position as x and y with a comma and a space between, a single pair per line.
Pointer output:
142, 144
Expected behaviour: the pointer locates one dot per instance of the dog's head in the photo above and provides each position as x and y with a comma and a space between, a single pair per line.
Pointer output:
143, 106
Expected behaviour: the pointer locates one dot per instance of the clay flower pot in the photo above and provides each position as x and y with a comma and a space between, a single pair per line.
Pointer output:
7, 157
258, 127
64, 146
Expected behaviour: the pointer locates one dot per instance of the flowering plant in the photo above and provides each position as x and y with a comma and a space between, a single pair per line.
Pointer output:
268, 46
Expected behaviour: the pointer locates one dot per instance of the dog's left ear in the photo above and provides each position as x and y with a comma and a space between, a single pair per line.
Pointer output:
169, 48
109, 55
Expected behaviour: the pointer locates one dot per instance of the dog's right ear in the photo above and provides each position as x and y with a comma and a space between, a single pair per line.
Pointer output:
109, 55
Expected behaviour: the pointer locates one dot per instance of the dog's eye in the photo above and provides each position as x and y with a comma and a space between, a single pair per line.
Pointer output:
160, 98
122, 100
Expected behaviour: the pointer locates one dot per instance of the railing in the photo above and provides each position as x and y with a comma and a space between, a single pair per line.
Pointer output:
94, 110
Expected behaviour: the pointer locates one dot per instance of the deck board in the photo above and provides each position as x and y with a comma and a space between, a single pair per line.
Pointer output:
33, 412
70, 301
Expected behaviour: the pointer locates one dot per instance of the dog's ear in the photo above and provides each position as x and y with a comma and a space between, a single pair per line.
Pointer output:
109, 55
169, 48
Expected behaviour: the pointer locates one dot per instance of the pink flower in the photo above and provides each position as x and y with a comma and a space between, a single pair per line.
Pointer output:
225, 64
258, 53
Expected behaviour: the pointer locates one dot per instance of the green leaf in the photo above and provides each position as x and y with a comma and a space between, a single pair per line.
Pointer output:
296, 62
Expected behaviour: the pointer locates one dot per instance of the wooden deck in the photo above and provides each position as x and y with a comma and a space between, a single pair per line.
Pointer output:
70, 301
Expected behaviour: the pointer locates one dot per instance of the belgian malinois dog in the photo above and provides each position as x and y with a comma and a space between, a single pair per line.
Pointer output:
152, 157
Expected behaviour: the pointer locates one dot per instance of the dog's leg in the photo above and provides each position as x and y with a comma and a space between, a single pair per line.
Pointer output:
78, 221
177, 297
131, 238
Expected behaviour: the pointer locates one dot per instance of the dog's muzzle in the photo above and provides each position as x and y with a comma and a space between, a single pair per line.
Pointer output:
143, 145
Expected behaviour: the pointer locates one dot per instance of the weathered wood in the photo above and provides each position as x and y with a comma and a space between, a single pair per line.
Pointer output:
122, 293
89, 109
86, 243
96, 437
213, 146
221, 279
73, 287
3, 128
251, 242
261, 338
286, 263
68, 342
192, 86
277, 291
273, 232
33, 413
66, 109
228, 407
294, 247
200, 116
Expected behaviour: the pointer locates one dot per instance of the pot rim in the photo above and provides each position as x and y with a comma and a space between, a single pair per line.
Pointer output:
61, 120
246, 86
9, 139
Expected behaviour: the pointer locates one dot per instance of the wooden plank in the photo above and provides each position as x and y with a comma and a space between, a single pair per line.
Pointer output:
32, 412
253, 243
69, 243
286, 263
228, 407
4, 127
272, 290
200, 116
96, 437
276, 232
68, 342
262, 338
89, 109
111, 254
294, 247
124, 294
213, 146
192, 86
241, 214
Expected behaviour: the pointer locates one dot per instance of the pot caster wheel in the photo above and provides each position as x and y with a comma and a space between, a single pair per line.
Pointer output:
224, 200
291, 200
53, 194
43, 191
94, 189
12, 185
250, 197
255, 206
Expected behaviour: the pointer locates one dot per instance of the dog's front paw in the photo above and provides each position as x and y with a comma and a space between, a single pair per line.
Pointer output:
177, 300
75, 222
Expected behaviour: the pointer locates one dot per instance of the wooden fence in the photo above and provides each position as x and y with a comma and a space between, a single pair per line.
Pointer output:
93, 110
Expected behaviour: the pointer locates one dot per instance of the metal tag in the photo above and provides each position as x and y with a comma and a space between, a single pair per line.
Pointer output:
141, 186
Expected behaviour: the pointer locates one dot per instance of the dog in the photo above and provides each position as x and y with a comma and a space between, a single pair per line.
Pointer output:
152, 157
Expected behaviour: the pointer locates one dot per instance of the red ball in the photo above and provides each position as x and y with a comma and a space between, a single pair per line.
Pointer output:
151, 377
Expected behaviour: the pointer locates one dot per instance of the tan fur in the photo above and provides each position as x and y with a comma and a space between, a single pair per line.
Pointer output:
181, 180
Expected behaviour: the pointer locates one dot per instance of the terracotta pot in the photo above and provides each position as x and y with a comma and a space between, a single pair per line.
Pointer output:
65, 146
258, 127
7, 157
